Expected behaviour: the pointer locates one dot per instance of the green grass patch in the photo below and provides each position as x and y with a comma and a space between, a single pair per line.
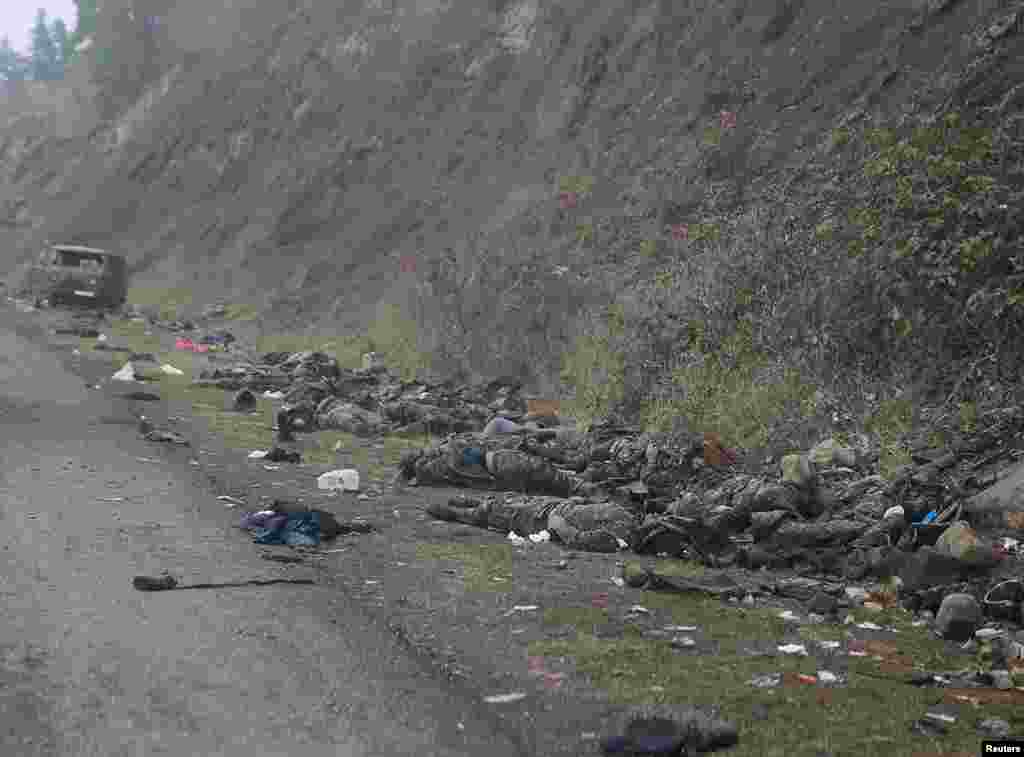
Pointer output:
168, 301
581, 618
683, 568
581, 185
396, 338
481, 563
595, 373
724, 394
240, 311
868, 716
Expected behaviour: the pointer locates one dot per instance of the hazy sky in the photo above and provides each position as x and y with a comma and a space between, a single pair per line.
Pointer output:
17, 17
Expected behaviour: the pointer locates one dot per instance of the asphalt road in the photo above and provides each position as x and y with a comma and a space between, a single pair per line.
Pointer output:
91, 667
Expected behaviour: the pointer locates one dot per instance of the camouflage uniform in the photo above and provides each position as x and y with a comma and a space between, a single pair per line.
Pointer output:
337, 414
300, 402
506, 468
596, 527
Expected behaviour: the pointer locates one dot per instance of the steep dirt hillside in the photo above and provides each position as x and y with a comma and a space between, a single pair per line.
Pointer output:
505, 171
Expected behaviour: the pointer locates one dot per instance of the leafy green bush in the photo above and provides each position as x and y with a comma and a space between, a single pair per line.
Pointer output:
725, 392
396, 337
581, 185
890, 423
594, 370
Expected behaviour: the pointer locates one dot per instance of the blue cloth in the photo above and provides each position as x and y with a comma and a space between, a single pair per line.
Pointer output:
472, 456
293, 529
663, 745
271, 520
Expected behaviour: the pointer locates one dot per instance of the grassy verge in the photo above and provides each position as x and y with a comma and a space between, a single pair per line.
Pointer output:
869, 715
374, 458
485, 567
166, 300
240, 312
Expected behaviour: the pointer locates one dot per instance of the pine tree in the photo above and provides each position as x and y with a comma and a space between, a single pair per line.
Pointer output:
85, 22
13, 66
62, 41
45, 63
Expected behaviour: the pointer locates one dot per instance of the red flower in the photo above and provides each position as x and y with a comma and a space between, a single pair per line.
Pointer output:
679, 231
407, 264
567, 200
728, 119
535, 665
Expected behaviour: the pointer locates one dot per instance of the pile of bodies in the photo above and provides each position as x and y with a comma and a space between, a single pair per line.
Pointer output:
824, 511
317, 394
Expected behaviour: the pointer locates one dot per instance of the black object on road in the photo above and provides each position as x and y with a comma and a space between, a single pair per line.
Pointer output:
165, 583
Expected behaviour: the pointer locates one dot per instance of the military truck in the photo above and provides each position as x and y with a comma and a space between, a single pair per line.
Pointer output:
72, 275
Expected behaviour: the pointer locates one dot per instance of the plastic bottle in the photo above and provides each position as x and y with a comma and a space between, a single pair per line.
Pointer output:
350, 480
346, 480
329, 480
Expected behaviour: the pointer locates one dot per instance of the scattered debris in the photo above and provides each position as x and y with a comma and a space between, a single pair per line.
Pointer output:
164, 583
291, 559
126, 373
505, 698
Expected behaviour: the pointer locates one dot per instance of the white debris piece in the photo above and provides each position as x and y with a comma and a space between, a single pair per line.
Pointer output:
797, 649
127, 373
870, 626
505, 698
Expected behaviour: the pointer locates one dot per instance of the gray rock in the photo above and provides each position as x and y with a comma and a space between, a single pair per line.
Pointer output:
958, 617
995, 728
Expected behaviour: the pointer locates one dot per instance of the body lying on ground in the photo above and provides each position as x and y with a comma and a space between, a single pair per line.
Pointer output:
592, 526
560, 462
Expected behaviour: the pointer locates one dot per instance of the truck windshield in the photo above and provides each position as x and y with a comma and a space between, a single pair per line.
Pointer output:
72, 259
